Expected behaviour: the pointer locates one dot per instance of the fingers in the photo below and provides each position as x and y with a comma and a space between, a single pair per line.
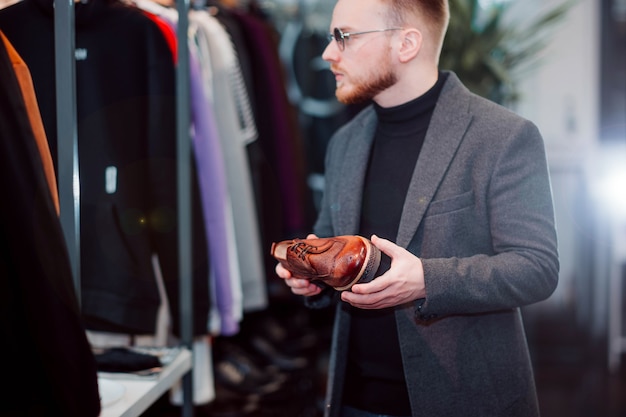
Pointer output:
303, 287
377, 285
387, 246
282, 272
361, 297
298, 286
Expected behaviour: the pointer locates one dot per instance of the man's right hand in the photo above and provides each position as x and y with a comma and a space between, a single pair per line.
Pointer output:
298, 286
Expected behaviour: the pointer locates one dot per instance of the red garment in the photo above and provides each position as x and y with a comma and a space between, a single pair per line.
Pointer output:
168, 32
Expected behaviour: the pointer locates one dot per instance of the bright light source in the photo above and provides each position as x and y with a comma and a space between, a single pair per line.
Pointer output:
612, 190
610, 182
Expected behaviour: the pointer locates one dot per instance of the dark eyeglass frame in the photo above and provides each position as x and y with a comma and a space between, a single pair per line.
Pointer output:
340, 37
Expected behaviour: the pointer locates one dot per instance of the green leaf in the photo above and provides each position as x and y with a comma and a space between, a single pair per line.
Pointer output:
487, 58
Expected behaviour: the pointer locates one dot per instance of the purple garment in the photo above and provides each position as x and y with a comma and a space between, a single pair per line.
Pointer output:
213, 193
211, 174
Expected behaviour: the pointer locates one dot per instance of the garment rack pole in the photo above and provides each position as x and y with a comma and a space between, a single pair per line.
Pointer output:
67, 143
67, 159
183, 139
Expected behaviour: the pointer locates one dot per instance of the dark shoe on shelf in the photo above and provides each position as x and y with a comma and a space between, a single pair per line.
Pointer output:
274, 357
339, 261
287, 329
236, 370
229, 407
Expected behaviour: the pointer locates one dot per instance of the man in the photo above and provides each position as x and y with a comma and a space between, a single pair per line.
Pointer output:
454, 191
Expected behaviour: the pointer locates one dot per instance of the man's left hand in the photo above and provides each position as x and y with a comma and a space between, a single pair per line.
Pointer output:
402, 283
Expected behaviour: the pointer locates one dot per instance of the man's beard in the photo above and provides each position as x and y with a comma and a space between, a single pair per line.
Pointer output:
367, 90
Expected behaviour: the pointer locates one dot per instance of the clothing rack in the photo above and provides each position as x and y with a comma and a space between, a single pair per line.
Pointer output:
68, 184
183, 139
69, 181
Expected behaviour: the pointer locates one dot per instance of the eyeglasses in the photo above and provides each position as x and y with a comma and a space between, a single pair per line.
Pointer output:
341, 37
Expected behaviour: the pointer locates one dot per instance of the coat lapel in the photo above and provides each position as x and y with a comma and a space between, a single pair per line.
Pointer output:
447, 127
353, 176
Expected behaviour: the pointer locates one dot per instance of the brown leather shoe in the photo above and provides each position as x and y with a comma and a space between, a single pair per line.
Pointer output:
339, 261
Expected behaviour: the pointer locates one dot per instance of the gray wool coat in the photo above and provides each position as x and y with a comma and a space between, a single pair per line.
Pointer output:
479, 214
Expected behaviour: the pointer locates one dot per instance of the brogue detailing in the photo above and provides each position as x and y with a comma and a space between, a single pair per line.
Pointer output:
339, 262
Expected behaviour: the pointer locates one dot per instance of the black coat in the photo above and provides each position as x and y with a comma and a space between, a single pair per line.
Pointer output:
125, 94
48, 367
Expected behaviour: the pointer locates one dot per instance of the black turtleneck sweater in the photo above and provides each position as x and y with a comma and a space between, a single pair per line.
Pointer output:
374, 379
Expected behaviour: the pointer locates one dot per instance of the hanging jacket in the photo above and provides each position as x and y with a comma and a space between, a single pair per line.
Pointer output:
125, 99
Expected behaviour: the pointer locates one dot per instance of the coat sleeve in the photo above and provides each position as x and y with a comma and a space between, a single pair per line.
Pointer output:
512, 215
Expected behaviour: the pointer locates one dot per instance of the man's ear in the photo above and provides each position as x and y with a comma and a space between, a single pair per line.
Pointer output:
411, 44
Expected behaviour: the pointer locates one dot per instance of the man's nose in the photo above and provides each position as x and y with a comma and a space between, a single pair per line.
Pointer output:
331, 51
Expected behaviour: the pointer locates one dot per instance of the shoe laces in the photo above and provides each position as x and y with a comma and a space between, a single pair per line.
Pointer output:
301, 249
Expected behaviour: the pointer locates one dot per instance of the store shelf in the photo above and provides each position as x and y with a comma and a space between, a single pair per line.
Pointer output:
139, 393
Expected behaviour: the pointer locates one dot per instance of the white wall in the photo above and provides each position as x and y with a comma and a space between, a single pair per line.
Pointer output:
562, 96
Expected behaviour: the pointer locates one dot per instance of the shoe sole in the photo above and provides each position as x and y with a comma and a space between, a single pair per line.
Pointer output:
368, 270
